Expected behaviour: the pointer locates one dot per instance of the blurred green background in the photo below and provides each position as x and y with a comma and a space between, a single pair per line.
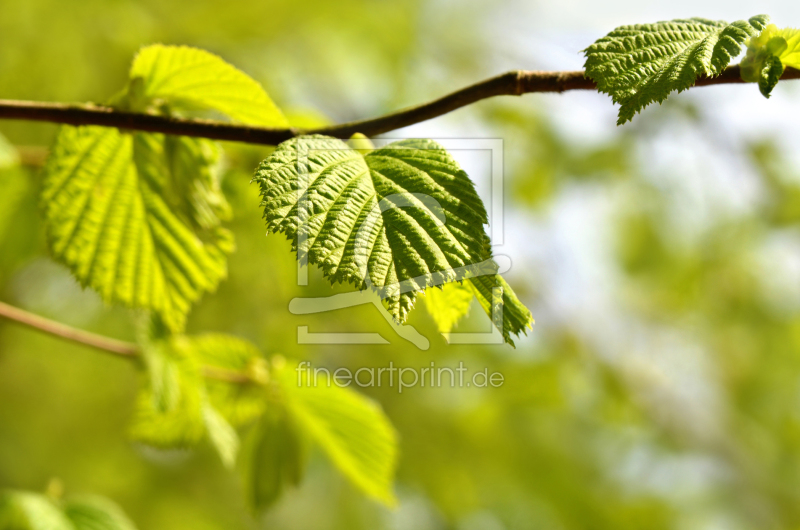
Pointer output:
660, 387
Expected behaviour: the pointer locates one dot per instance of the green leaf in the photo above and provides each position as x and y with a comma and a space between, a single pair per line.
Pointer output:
223, 437
273, 457
791, 55
96, 513
8, 155
240, 402
767, 56
770, 75
641, 64
396, 219
135, 216
21, 510
188, 395
169, 410
14, 185
351, 429
449, 304
184, 78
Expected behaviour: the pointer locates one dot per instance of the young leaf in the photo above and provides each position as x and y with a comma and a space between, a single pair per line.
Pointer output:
14, 185
272, 458
770, 75
96, 513
182, 403
767, 56
20, 510
114, 216
239, 403
351, 429
223, 437
449, 304
396, 219
185, 78
170, 409
791, 55
641, 64
8, 155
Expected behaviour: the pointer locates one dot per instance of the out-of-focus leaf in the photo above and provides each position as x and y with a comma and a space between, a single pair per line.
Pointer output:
239, 402
273, 457
20, 510
14, 184
169, 410
307, 118
223, 437
8, 155
352, 430
189, 78
96, 513
449, 304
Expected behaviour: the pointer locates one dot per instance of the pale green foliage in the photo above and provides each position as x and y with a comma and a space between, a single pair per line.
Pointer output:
136, 217
273, 457
13, 186
91, 512
173, 409
185, 400
222, 435
21, 510
396, 219
8, 155
641, 64
185, 78
351, 429
169, 409
770, 75
767, 56
239, 403
449, 304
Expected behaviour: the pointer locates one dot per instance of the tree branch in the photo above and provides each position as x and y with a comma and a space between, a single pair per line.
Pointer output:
514, 83
117, 347
124, 349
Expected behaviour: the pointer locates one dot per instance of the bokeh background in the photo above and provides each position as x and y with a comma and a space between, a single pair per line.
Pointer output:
660, 387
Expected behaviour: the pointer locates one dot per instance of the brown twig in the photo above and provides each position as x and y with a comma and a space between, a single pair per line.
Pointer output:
514, 83
117, 347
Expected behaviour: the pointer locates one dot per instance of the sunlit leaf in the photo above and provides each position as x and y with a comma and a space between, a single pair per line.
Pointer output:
642, 64
351, 429
169, 410
21, 510
449, 304
222, 436
238, 402
272, 458
181, 77
96, 513
8, 155
116, 217
397, 219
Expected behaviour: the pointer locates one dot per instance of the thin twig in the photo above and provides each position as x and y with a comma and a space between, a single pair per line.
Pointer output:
117, 347
514, 83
